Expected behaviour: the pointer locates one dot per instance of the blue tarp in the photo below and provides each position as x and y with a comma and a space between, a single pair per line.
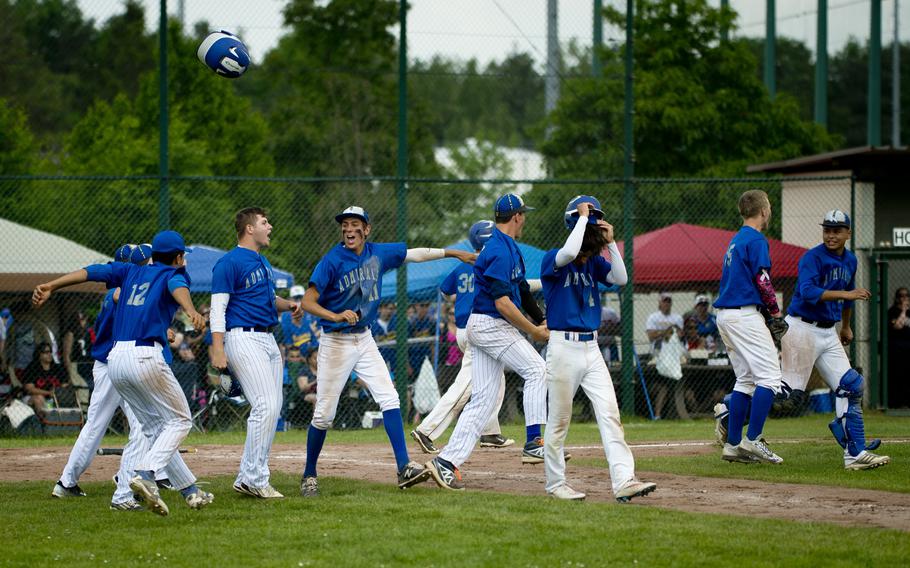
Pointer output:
201, 260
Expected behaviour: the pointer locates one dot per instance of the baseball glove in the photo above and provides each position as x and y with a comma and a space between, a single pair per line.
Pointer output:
778, 327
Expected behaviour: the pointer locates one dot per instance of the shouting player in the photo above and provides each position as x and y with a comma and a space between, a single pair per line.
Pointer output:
493, 330
244, 309
570, 277
136, 364
745, 288
344, 292
824, 295
460, 283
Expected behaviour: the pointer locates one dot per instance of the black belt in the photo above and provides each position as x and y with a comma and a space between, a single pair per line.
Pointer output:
147, 343
821, 324
576, 336
749, 307
255, 329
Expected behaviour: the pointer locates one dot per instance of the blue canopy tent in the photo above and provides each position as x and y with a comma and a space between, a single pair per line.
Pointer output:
201, 260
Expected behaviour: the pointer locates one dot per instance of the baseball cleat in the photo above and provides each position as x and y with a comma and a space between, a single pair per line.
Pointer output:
164, 483
147, 492
567, 493
736, 454
533, 452
866, 460
412, 474
424, 441
873, 445
634, 488
199, 499
445, 476
128, 505
61, 492
267, 492
759, 449
309, 487
495, 441
720, 427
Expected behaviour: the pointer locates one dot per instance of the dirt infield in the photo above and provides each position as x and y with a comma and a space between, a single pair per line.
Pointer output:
501, 470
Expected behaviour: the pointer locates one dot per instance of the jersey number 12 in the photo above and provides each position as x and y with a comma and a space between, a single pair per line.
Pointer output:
137, 296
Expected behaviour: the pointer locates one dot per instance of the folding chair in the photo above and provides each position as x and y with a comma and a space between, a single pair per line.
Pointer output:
63, 418
222, 412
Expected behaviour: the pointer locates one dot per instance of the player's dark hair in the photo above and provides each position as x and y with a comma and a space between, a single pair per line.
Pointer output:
505, 218
594, 240
752, 202
247, 216
165, 258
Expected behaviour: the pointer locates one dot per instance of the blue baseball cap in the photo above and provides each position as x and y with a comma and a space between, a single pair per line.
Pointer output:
836, 218
122, 254
510, 204
5, 313
141, 254
480, 233
353, 211
571, 215
167, 242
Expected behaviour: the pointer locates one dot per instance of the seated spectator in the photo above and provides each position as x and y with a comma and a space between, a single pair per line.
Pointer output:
705, 321
692, 338
422, 324
42, 377
384, 331
300, 329
300, 395
187, 371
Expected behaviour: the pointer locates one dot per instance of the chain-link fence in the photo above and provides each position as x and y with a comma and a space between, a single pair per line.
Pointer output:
682, 229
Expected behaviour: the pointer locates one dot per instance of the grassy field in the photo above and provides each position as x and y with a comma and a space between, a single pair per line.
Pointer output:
356, 523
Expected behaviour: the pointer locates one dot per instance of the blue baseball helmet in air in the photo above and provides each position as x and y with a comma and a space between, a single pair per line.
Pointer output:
225, 54
571, 215
480, 233
122, 254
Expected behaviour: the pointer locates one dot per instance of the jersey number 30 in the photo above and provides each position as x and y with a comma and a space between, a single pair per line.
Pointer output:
465, 283
137, 296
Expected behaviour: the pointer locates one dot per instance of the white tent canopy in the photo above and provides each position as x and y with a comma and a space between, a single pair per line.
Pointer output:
29, 256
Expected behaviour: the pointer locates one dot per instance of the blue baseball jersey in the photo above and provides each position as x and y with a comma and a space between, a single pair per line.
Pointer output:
347, 281
298, 335
572, 293
146, 305
745, 258
104, 328
820, 270
461, 283
247, 276
499, 260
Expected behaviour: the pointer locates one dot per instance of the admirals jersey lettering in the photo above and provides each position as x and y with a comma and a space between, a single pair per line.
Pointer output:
571, 292
247, 276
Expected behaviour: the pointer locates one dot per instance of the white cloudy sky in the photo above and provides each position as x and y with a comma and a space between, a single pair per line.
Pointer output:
490, 29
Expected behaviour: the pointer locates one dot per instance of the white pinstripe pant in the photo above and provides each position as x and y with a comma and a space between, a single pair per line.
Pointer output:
454, 400
572, 364
147, 384
496, 345
254, 358
339, 355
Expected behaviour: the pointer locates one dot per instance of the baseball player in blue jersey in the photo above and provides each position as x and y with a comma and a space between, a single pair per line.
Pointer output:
570, 277
460, 283
493, 330
825, 292
103, 405
745, 288
244, 310
344, 292
136, 364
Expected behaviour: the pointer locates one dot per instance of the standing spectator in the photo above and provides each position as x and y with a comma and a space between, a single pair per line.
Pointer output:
898, 344
77, 349
186, 369
384, 331
199, 341
6, 321
422, 324
42, 377
661, 326
607, 332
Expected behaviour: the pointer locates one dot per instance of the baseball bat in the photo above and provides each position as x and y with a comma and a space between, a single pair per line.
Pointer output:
119, 451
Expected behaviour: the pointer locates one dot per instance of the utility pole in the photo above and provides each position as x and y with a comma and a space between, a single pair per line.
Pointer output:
770, 55
874, 113
551, 95
597, 37
724, 30
896, 80
821, 65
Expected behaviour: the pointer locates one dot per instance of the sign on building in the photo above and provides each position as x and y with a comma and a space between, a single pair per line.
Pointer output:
901, 237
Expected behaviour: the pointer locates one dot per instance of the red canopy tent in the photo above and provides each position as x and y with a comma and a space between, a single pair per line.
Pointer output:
683, 255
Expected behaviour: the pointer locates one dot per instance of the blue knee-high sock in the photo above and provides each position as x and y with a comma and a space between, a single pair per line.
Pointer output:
739, 407
186, 492
532, 432
761, 406
394, 428
315, 438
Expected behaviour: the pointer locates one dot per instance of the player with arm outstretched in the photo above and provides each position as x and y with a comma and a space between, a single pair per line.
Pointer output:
494, 330
243, 312
571, 276
824, 295
344, 292
746, 289
460, 283
136, 364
